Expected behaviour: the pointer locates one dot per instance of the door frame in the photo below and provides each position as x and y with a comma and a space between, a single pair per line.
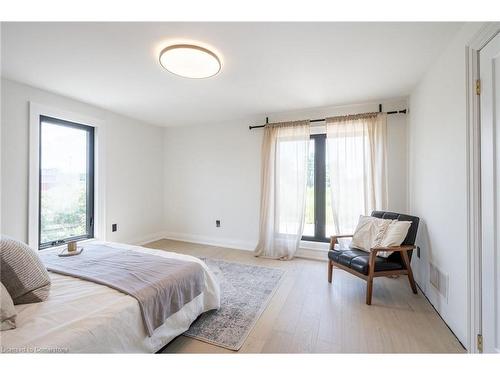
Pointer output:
474, 230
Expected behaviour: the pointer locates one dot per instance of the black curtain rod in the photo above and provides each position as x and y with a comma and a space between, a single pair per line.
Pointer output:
322, 119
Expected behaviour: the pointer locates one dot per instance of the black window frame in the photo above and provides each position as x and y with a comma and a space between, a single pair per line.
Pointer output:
90, 181
319, 190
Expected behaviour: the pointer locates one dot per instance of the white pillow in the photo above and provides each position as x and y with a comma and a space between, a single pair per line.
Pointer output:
394, 236
369, 232
23, 273
7, 310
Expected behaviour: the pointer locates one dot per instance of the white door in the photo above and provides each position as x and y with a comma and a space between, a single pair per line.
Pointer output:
490, 194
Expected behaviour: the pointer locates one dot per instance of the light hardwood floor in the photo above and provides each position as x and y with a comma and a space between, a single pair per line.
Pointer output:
309, 315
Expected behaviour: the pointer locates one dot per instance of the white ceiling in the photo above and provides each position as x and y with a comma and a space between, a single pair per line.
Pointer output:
267, 67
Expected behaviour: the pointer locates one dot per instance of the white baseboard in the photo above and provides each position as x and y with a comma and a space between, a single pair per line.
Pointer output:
146, 239
305, 251
212, 241
315, 254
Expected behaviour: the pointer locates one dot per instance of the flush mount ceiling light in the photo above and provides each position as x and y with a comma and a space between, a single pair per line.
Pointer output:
190, 61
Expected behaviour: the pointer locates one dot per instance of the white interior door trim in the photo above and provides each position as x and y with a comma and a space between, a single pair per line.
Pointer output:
473, 152
490, 174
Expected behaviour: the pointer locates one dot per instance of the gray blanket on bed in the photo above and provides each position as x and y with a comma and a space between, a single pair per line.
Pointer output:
162, 286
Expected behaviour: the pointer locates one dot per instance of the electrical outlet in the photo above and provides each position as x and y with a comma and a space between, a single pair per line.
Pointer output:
114, 227
217, 223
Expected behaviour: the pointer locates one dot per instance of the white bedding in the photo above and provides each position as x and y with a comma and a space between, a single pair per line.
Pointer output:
83, 317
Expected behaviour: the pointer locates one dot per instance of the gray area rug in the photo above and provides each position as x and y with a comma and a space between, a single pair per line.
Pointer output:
245, 293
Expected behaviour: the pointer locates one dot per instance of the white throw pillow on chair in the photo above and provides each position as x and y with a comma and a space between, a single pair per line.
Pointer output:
369, 232
394, 236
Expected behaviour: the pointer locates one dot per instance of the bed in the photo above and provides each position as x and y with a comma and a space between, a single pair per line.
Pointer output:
84, 317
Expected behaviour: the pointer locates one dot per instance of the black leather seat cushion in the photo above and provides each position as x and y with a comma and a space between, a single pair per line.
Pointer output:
358, 260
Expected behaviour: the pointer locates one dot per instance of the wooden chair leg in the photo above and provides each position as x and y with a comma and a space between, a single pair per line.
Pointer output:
330, 270
369, 282
369, 290
406, 261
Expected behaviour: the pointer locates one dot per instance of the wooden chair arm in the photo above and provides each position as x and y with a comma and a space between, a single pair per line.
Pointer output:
333, 239
375, 250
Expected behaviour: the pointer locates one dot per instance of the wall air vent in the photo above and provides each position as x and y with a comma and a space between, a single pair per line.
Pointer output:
438, 280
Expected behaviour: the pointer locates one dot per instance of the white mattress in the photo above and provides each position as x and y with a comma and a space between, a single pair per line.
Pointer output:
83, 317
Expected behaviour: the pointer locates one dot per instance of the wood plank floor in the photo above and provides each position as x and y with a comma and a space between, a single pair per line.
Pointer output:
309, 315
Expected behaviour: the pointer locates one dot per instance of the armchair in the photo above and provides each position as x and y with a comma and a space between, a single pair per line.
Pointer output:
368, 265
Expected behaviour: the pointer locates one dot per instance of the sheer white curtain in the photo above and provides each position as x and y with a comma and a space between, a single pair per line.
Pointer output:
357, 159
284, 175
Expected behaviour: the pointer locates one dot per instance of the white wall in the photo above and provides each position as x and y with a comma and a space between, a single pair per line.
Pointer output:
438, 185
134, 165
212, 171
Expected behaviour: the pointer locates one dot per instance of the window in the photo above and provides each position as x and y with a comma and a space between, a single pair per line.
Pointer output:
288, 151
66, 188
310, 220
318, 224
354, 152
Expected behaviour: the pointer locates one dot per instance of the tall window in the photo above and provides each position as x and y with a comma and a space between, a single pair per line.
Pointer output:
318, 224
354, 152
66, 209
